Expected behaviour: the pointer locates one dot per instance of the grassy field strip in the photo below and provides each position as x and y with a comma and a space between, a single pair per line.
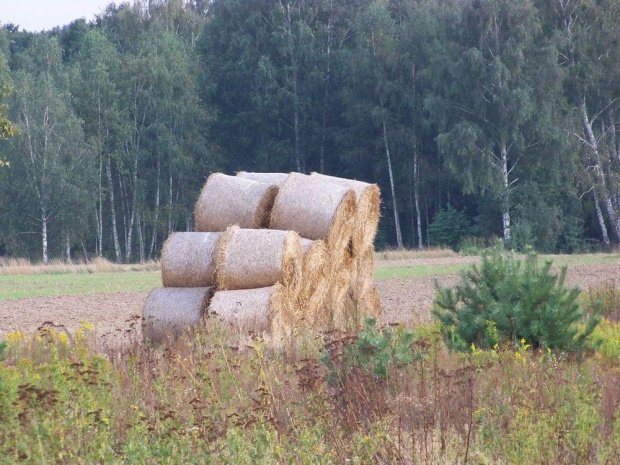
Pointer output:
37, 285
24, 286
414, 271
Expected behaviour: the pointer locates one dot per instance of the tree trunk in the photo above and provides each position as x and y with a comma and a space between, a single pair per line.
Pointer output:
326, 96
610, 209
99, 211
169, 229
601, 220
117, 246
612, 133
156, 219
295, 78
68, 245
506, 194
399, 236
132, 218
140, 238
44, 220
416, 193
416, 164
84, 250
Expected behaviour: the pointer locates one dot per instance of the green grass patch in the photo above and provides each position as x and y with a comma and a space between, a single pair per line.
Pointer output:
24, 286
412, 271
583, 259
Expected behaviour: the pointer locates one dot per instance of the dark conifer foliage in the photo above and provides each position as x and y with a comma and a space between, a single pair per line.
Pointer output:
505, 111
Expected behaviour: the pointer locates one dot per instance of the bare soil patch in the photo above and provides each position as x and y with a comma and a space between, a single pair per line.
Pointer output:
405, 300
408, 300
113, 315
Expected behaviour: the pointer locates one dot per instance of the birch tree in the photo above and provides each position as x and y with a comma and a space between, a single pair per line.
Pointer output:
49, 155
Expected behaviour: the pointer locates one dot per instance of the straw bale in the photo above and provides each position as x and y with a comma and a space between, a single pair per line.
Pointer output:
368, 210
316, 209
276, 179
314, 287
229, 200
352, 315
369, 305
363, 271
169, 311
339, 284
186, 259
253, 258
262, 310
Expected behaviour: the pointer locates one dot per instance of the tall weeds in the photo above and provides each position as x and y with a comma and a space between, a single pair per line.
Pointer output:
217, 398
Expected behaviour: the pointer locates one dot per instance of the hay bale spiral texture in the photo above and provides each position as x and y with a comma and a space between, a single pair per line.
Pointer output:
251, 310
276, 179
169, 311
316, 209
253, 258
368, 198
231, 200
187, 259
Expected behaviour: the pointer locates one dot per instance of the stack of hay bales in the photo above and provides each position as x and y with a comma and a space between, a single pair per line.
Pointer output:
272, 252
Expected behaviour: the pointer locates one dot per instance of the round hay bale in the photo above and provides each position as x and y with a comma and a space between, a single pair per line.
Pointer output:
369, 305
276, 179
314, 285
266, 309
187, 259
229, 200
253, 258
316, 209
368, 210
339, 284
169, 311
363, 273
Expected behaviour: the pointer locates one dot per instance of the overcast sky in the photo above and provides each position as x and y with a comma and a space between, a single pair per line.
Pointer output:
38, 15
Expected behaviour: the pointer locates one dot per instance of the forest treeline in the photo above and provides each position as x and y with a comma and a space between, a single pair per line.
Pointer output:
480, 118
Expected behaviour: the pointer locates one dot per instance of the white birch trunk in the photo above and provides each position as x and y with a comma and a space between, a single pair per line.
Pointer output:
155, 223
506, 199
44, 220
606, 198
68, 246
416, 194
399, 236
117, 245
601, 220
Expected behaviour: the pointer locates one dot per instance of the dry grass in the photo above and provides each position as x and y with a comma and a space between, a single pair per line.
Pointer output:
407, 254
23, 266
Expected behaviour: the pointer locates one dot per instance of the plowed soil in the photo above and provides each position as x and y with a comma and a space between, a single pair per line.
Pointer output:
405, 300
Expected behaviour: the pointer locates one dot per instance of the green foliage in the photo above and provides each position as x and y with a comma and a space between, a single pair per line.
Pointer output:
448, 227
473, 245
522, 236
205, 399
375, 350
504, 300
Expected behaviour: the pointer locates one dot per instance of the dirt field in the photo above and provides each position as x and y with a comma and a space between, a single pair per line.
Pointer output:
405, 300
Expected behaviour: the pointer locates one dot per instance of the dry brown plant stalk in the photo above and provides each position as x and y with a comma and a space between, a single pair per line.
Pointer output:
231, 200
187, 259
